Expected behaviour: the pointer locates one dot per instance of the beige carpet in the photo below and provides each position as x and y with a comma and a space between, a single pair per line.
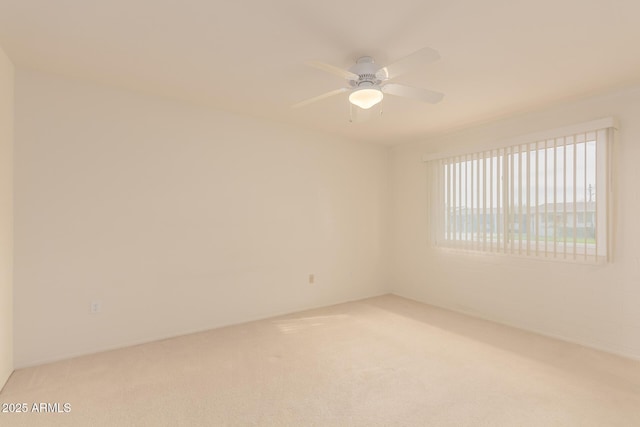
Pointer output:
385, 361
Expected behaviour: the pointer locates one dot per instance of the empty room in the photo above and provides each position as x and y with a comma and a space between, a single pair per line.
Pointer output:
285, 213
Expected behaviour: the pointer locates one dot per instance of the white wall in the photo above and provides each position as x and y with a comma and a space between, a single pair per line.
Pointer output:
179, 218
592, 305
6, 217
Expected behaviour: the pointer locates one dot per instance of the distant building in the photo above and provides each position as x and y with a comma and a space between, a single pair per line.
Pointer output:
546, 220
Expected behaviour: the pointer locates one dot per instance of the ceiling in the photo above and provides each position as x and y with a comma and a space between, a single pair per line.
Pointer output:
499, 57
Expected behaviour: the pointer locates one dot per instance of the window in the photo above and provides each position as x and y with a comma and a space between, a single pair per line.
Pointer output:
544, 198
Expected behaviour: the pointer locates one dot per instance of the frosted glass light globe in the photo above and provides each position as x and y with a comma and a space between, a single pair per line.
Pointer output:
366, 98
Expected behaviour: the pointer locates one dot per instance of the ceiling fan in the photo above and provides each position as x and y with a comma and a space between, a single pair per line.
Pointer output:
368, 81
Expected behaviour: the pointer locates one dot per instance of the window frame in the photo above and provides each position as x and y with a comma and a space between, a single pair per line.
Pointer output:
604, 134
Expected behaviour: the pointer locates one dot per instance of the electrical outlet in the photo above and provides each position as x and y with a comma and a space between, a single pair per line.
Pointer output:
96, 307
312, 279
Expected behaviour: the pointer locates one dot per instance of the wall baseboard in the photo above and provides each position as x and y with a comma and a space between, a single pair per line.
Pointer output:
125, 344
4, 381
611, 349
623, 352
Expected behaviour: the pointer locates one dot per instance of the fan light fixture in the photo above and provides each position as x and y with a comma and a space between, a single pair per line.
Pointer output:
366, 98
368, 82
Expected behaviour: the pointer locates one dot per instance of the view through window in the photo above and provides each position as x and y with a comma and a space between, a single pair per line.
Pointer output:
545, 198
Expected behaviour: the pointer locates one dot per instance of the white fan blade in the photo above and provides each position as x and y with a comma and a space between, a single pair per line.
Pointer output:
333, 70
401, 66
420, 94
319, 97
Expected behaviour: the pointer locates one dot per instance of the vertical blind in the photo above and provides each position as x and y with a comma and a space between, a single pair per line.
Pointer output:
546, 198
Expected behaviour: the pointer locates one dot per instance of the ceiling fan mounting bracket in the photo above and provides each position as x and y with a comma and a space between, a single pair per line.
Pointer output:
366, 59
365, 68
365, 80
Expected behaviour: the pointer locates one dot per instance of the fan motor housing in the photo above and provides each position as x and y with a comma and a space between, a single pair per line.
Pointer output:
366, 69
